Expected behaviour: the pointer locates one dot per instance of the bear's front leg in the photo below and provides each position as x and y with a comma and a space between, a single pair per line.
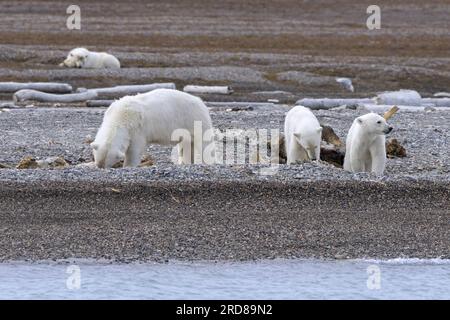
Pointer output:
378, 156
296, 153
358, 162
134, 152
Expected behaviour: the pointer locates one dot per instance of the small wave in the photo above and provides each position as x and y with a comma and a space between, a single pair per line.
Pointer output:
409, 261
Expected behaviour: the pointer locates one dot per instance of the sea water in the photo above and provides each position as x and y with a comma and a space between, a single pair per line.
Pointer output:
274, 279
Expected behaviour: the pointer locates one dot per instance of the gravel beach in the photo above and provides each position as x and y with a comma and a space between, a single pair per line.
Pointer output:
223, 211
284, 50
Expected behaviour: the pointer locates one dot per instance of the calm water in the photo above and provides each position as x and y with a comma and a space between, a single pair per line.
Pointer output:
275, 279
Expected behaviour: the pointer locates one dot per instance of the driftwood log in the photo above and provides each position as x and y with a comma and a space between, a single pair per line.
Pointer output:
325, 103
329, 136
400, 97
387, 115
436, 102
98, 103
120, 91
33, 95
49, 87
442, 95
232, 106
208, 89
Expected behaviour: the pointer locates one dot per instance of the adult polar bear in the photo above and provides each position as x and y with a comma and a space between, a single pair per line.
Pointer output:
83, 58
303, 134
366, 144
159, 117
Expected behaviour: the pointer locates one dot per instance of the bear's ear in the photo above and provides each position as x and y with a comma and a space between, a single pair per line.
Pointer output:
94, 146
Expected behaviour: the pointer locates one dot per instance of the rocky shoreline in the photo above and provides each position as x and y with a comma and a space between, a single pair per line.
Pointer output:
220, 212
223, 220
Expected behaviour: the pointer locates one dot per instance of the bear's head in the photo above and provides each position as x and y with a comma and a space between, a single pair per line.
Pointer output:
310, 142
374, 124
76, 58
105, 156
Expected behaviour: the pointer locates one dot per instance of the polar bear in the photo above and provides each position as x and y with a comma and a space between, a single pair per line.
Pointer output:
83, 58
366, 144
303, 134
133, 122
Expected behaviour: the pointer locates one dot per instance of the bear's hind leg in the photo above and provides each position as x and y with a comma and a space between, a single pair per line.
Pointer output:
368, 165
186, 151
134, 152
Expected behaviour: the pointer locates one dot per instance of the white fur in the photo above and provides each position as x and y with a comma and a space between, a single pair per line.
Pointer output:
133, 122
83, 58
366, 144
303, 134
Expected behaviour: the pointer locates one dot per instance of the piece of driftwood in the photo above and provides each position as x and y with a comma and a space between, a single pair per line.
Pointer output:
98, 103
387, 115
384, 108
326, 103
5, 166
329, 136
208, 89
9, 105
400, 97
33, 95
442, 95
120, 91
217, 106
329, 153
436, 102
49, 87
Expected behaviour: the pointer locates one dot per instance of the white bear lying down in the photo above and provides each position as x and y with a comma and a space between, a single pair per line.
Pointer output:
133, 122
366, 144
83, 58
303, 134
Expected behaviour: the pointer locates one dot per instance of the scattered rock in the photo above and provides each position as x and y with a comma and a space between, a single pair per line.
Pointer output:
52, 162
146, 161
240, 108
88, 139
395, 149
27, 163
90, 165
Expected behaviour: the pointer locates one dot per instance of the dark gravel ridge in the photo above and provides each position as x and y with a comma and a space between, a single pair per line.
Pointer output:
224, 220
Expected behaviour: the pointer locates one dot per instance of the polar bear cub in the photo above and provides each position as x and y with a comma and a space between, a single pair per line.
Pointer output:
83, 58
366, 144
303, 134
133, 122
